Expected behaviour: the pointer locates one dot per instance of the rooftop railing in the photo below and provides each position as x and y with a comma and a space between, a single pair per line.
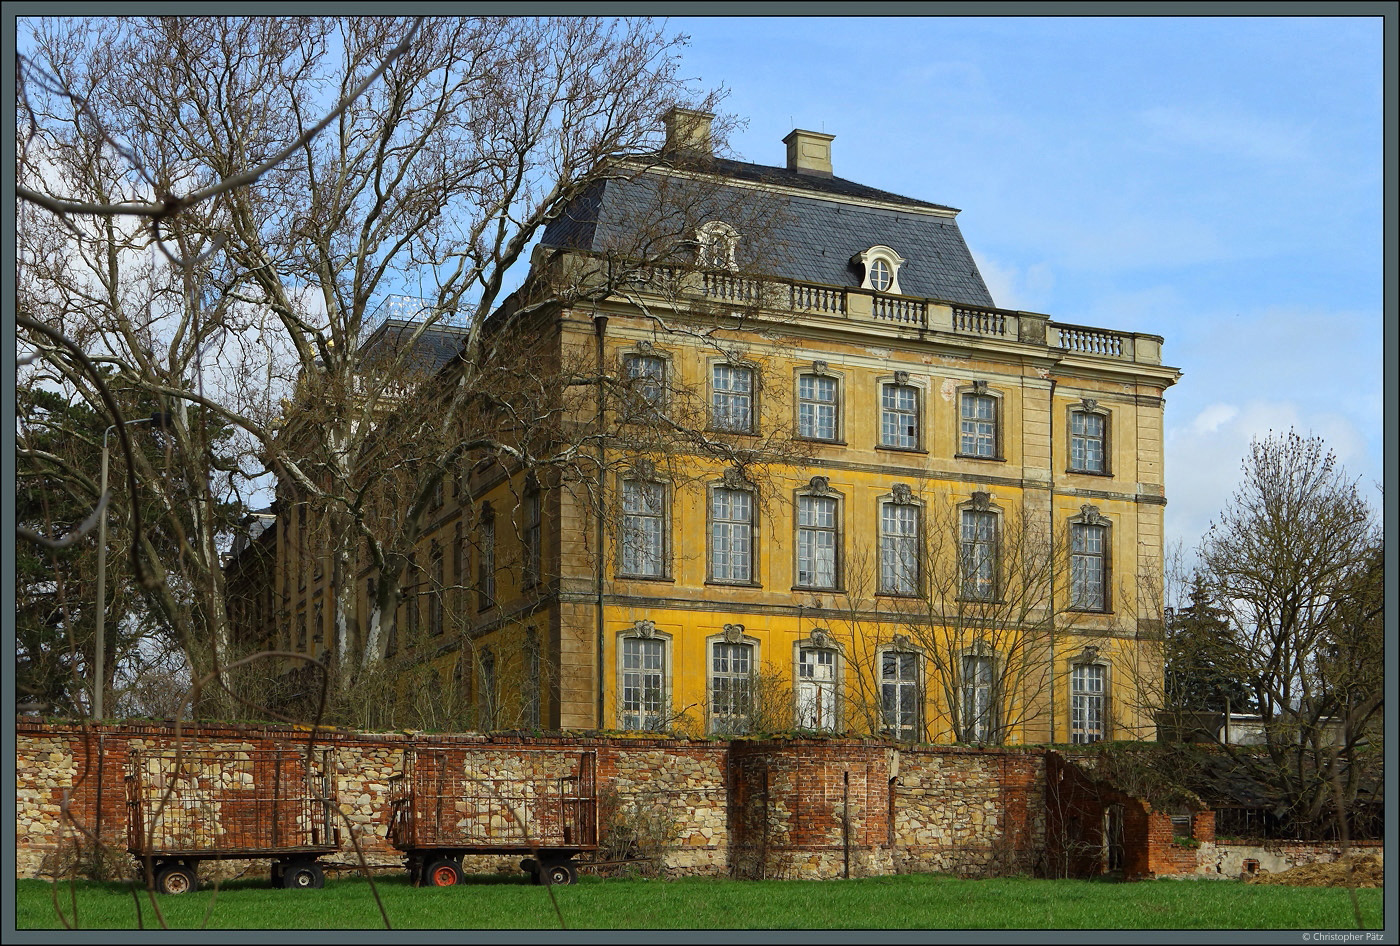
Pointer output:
906, 312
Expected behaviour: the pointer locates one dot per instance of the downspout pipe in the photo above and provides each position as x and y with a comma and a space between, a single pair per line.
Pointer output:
1054, 613
600, 331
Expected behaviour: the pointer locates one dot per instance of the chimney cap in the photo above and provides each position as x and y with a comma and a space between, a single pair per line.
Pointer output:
688, 128
809, 152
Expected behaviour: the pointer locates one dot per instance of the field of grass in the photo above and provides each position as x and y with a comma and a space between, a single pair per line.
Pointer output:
902, 902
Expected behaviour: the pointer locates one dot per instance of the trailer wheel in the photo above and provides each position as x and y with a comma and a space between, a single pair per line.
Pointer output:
303, 875
531, 867
176, 879
443, 872
560, 874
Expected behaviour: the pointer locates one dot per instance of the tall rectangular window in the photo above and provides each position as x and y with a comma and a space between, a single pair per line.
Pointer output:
899, 416
643, 683
816, 407
899, 549
978, 707
979, 426
486, 562
533, 550
1087, 567
646, 377
409, 589
1086, 442
816, 542
731, 688
435, 594
899, 694
816, 688
1086, 694
978, 550
731, 535
643, 529
732, 398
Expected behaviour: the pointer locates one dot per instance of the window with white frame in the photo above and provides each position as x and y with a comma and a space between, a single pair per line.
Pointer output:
1087, 438
978, 552
731, 535
899, 694
731, 687
646, 378
717, 245
978, 702
978, 436
816, 541
817, 407
899, 416
643, 529
881, 265
816, 688
731, 404
899, 548
643, 684
1088, 571
1086, 709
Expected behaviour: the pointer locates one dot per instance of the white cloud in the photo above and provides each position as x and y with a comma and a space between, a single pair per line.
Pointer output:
1204, 456
1012, 287
1209, 420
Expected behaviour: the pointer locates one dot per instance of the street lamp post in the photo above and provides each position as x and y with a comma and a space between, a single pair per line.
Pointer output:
99, 674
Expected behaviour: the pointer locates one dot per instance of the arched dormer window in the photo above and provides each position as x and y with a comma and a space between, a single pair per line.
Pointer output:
880, 266
716, 245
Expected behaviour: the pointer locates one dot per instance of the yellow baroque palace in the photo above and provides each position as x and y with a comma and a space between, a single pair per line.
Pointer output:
833, 488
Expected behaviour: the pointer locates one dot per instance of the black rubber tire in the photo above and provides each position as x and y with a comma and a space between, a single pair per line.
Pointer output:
442, 872
276, 874
175, 879
559, 875
303, 875
531, 867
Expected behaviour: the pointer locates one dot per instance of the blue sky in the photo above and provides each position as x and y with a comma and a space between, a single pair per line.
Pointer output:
1216, 181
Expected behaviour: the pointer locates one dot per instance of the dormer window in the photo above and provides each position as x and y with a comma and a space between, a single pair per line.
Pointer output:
881, 267
716, 243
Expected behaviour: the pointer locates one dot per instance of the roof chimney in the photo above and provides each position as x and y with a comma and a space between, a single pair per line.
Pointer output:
809, 152
688, 129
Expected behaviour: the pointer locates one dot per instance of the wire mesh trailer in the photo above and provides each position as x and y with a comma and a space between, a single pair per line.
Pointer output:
219, 804
447, 803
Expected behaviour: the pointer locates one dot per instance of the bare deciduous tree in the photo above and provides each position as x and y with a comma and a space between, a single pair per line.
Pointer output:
220, 209
1293, 567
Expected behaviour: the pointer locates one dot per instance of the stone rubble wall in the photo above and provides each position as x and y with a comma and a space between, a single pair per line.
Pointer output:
970, 812
784, 808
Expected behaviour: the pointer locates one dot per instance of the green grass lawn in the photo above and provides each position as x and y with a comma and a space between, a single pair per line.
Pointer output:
902, 902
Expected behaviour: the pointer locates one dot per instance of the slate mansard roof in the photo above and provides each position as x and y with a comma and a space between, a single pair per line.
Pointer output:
817, 225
